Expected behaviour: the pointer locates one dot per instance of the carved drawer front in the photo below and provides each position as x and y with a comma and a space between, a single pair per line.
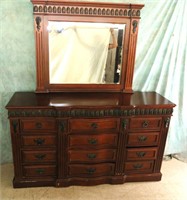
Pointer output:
146, 123
93, 125
93, 140
39, 170
143, 139
39, 140
38, 125
92, 156
38, 156
139, 167
141, 154
106, 169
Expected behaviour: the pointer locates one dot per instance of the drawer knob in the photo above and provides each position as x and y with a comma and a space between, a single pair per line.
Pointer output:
40, 171
39, 141
40, 156
91, 155
94, 125
38, 125
92, 141
140, 154
142, 138
138, 166
145, 124
91, 170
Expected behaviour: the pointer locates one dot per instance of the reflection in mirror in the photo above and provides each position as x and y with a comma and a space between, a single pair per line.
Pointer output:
83, 53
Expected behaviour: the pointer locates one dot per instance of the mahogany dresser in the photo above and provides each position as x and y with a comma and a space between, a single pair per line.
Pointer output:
68, 139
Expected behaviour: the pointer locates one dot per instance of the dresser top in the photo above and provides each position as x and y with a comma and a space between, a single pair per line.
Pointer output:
46, 100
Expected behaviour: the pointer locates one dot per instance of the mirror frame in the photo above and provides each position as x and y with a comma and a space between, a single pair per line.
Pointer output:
73, 11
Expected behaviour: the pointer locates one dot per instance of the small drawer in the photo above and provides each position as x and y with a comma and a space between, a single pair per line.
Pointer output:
143, 139
106, 169
141, 154
93, 125
39, 140
39, 170
38, 156
139, 167
145, 123
92, 156
36, 125
102, 140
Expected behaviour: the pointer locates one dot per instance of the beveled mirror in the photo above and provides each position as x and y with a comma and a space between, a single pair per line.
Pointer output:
85, 46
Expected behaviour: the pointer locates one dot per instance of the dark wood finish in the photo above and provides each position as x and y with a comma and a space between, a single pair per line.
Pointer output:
91, 133
62, 10
87, 138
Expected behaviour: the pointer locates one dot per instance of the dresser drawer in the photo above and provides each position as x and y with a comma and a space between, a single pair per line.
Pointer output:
39, 140
78, 141
39, 170
38, 125
106, 169
38, 156
139, 167
92, 125
92, 156
143, 139
146, 123
141, 154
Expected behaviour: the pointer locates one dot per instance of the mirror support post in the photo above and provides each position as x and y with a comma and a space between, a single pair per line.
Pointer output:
131, 55
38, 28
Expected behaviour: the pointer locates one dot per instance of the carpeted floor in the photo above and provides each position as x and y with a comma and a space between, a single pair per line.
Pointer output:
173, 186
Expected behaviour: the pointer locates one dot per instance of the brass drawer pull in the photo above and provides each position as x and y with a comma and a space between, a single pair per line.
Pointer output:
142, 138
91, 155
40, 156
145, 124
40, 171
94, 125
140, 154
38, 125
92, 141
39, 141
91, 170
138, 166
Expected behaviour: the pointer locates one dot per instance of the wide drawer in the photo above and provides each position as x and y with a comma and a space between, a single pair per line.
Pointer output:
39, 170
141, 154
76, 170
92, 156
139, 167
39, 140
92, 125
143, 139
38, 125
38, 156
146, 123
78, 141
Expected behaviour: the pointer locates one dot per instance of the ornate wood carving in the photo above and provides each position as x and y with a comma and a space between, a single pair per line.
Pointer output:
85, 10
134, 24
89, 113
38, 21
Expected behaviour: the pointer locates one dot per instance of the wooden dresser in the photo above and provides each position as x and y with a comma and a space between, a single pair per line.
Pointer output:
68, 139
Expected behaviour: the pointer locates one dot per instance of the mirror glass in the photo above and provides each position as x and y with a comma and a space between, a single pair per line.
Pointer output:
85, 53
